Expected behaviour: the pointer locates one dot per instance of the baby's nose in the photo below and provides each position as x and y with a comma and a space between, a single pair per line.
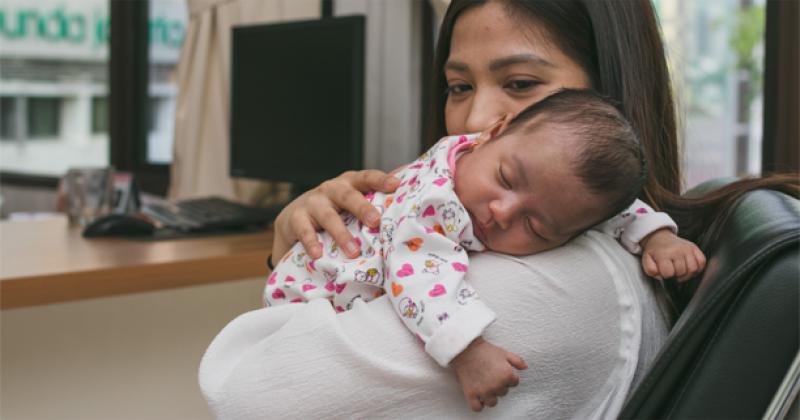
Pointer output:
504, 211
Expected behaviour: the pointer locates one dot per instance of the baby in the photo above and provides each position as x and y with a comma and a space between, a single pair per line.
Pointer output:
560, 167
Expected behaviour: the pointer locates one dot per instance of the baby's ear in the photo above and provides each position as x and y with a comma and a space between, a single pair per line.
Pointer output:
496, 129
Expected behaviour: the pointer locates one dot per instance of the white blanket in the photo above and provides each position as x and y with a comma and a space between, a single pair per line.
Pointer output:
582, 316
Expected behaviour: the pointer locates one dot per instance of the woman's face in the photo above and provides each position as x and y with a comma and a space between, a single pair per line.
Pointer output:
498, 68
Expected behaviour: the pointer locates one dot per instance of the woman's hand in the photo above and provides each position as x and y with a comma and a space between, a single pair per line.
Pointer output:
319, 208
485, 372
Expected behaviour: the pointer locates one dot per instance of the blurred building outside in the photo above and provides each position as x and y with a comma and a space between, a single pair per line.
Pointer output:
716, 50
54, 83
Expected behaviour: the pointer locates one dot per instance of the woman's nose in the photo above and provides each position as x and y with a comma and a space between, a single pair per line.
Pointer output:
504, 211
484, 111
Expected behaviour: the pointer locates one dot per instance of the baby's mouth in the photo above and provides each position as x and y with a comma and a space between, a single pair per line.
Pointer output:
477, 228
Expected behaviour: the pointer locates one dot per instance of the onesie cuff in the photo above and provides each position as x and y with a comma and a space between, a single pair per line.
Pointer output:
644, 225
459, 331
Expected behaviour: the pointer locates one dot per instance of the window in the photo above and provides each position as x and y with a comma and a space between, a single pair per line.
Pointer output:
160, 129
99, 115
8, 118
167, 27
715, 51
54, 62
43, 118
54, 82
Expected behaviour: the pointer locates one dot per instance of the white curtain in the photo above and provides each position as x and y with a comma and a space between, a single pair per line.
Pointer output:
439, 7
201, 158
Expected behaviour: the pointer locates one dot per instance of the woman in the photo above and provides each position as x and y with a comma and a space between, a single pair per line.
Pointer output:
588, 324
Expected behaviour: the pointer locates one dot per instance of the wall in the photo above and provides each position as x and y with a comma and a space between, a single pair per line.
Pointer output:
392, 84
127, 357
26, 199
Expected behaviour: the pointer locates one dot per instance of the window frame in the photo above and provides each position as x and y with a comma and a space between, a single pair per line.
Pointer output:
128, 99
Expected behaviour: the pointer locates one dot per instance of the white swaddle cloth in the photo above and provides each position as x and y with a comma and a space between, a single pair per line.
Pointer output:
582, 316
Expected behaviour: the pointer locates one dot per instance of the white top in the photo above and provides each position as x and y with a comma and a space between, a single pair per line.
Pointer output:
583, 316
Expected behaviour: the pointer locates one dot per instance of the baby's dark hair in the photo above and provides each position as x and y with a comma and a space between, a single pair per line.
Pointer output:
610, 160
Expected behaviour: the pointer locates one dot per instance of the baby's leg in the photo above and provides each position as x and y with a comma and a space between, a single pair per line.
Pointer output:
294, 280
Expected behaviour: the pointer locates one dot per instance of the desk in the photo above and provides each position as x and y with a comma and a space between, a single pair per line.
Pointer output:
47, 261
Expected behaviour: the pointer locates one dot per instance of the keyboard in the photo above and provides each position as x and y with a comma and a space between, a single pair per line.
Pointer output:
208, 214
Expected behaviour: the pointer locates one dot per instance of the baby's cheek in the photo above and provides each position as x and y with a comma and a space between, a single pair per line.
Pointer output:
522, 245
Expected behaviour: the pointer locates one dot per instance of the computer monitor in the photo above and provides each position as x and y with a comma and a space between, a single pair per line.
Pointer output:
297, 95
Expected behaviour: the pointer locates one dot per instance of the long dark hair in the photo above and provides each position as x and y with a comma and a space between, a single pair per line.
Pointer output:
618, 45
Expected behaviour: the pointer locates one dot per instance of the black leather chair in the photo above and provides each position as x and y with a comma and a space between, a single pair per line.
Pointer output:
733, 352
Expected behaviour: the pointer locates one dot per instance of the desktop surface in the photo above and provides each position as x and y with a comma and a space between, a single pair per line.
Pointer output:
48, 261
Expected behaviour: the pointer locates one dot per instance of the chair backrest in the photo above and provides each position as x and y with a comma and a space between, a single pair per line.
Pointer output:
731, 348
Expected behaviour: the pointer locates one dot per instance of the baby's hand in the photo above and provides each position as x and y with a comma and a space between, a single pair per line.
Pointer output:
486, 372
666, 255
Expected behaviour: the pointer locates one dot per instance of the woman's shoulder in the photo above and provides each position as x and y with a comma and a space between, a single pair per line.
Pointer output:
580, 314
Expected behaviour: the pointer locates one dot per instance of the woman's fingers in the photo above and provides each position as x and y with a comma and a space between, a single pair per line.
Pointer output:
371, 180
319, 209
490, 401
302, 226
332, 223
346, 193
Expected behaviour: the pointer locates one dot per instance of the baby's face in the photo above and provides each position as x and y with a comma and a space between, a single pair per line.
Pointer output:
521, 192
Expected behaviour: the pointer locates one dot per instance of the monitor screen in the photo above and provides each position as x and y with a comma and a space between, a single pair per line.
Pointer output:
297, 93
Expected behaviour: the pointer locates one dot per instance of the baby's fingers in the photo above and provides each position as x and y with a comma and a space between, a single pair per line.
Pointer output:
649, 265
691, 268
475, 404
517, 362
665, 268
700, 258
490, 401
679, 262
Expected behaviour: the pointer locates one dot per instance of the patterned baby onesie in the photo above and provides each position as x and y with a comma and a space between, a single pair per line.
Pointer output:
418, 256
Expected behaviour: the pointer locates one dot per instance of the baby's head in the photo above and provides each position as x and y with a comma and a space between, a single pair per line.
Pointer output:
559, 167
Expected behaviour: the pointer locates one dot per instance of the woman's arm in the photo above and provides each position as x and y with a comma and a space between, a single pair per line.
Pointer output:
318, 209
575, 314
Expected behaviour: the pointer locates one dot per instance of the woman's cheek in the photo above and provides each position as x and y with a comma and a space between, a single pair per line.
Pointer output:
454, 117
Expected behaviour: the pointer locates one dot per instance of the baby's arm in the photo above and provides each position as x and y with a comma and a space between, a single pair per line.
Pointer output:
640, 229
426, 285
425, 271
666, 255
